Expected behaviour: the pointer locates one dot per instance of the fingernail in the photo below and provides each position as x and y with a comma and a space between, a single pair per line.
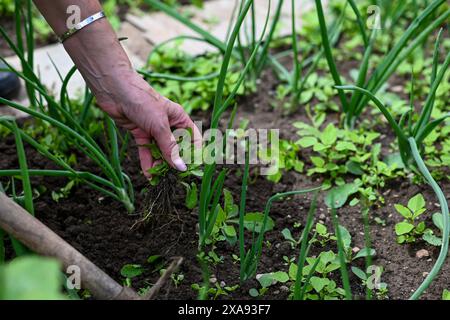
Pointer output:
180, 165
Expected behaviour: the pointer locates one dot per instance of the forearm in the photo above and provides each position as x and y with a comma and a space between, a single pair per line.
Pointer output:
95, 49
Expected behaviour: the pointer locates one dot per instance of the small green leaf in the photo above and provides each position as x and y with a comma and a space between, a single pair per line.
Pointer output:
230, 231
365, 252
318, 162
254, 222
405, 212
329, 135
31, 278
340, 195
429, 237
287, 235
446, 295
438, 220
253, 292
354, 168
416, 203
269, 279
131, 270
228, 201
321, 229
307, 142
293, 271
346, 237
154, 258
394, 161
359, 273
345, 145
319, 283
402, 228
191, 196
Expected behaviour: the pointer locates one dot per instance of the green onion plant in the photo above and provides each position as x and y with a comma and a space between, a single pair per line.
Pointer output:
420, 28
410, 138
70, 124
405, 128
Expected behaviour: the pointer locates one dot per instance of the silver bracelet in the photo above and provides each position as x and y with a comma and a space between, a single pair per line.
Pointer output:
81, 25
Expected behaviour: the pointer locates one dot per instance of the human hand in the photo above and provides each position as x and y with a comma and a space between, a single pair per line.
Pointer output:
136, 106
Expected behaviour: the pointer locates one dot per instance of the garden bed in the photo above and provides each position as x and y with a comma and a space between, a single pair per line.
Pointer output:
101, 229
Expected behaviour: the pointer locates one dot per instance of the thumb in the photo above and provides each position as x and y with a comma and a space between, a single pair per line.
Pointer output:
169, 147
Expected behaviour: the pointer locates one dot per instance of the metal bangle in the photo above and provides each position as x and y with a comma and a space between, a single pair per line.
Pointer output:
81, 25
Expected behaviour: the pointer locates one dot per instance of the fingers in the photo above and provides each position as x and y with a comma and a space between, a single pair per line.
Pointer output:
169, 148
145, 155
178, 118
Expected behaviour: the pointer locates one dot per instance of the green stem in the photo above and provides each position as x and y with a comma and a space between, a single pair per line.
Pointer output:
445, 216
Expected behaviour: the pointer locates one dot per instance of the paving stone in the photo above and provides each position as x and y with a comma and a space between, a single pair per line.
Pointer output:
214, 17
136, 46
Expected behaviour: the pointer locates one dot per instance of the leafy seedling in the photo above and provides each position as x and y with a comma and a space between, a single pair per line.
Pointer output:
130, 271
372, 280
215, 292
409, 230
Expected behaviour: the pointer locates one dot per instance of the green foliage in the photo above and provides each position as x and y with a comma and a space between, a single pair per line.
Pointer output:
381, 288
227, 218
322, 236
192, 95
7, 8
446, 295
410, 229
319, 270
130, 271
338, 196
215, 292
191, 195
160, 170
288, 157
31, 278
337, 153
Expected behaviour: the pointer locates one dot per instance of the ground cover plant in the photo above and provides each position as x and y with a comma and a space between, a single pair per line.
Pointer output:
361, 189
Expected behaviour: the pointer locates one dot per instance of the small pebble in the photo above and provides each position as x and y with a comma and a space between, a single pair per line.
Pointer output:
284, 288
322, 216
422, 253
356, 250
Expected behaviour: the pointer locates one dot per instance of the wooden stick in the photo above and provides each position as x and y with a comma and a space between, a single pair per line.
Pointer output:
164, 278
39, 238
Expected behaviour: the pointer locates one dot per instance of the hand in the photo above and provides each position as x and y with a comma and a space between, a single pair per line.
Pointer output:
136, 106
